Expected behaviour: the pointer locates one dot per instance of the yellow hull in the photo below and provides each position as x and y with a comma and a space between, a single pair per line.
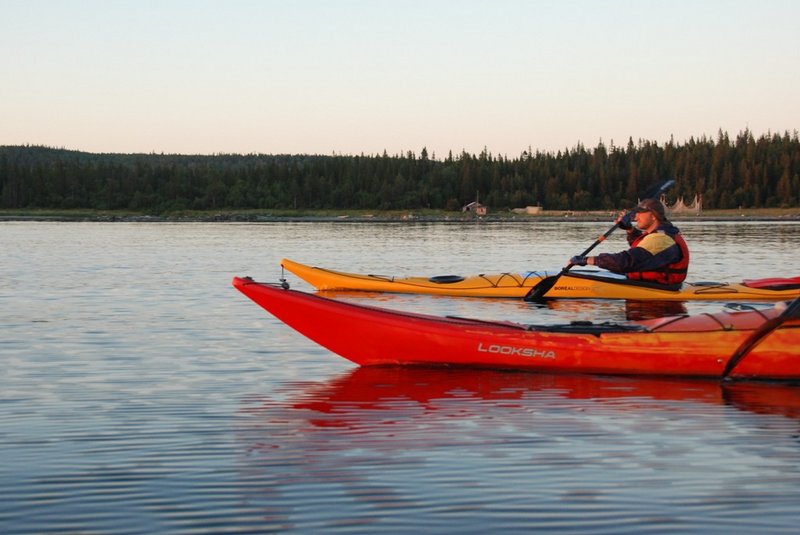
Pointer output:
575, 285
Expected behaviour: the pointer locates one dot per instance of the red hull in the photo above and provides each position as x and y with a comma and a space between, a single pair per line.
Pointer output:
697, 346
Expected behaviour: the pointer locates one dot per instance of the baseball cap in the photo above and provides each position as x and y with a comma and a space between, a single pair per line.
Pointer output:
652, 205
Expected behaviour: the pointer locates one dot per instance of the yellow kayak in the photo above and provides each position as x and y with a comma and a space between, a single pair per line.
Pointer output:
576, 284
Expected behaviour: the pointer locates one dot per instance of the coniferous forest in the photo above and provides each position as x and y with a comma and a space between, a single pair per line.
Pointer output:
745, 172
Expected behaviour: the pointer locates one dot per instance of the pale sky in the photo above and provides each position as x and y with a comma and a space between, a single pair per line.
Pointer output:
364, 76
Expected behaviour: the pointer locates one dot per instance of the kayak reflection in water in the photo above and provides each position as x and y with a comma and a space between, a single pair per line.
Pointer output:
657, 254
645, 310
618, 310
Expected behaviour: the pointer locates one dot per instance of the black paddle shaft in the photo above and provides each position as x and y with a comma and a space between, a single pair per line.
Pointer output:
546, 284
792, 311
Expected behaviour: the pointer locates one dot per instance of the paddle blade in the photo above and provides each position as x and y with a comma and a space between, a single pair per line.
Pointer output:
656, 191
538, 292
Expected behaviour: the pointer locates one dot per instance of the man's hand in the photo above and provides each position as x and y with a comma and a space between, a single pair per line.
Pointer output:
624, 220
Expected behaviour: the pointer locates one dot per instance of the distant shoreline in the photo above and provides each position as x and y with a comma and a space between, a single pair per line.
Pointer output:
355, 216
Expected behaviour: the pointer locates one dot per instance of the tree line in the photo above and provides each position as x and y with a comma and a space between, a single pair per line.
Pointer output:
746, 172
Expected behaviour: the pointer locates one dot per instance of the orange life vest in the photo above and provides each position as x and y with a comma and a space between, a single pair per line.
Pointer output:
674, 273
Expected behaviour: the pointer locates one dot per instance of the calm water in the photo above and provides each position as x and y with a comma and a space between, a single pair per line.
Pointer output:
141, 393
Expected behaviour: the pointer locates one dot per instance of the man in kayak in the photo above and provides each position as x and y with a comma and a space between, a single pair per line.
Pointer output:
658, 252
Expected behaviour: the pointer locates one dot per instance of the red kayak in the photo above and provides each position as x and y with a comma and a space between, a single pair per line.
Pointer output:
690, 346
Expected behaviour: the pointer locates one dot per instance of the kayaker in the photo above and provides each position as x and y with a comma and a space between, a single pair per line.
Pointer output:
658, 252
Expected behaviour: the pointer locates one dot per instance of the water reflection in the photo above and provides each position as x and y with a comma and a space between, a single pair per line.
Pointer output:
403, 409
617, 310
380, 388
378, 446
644, 310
